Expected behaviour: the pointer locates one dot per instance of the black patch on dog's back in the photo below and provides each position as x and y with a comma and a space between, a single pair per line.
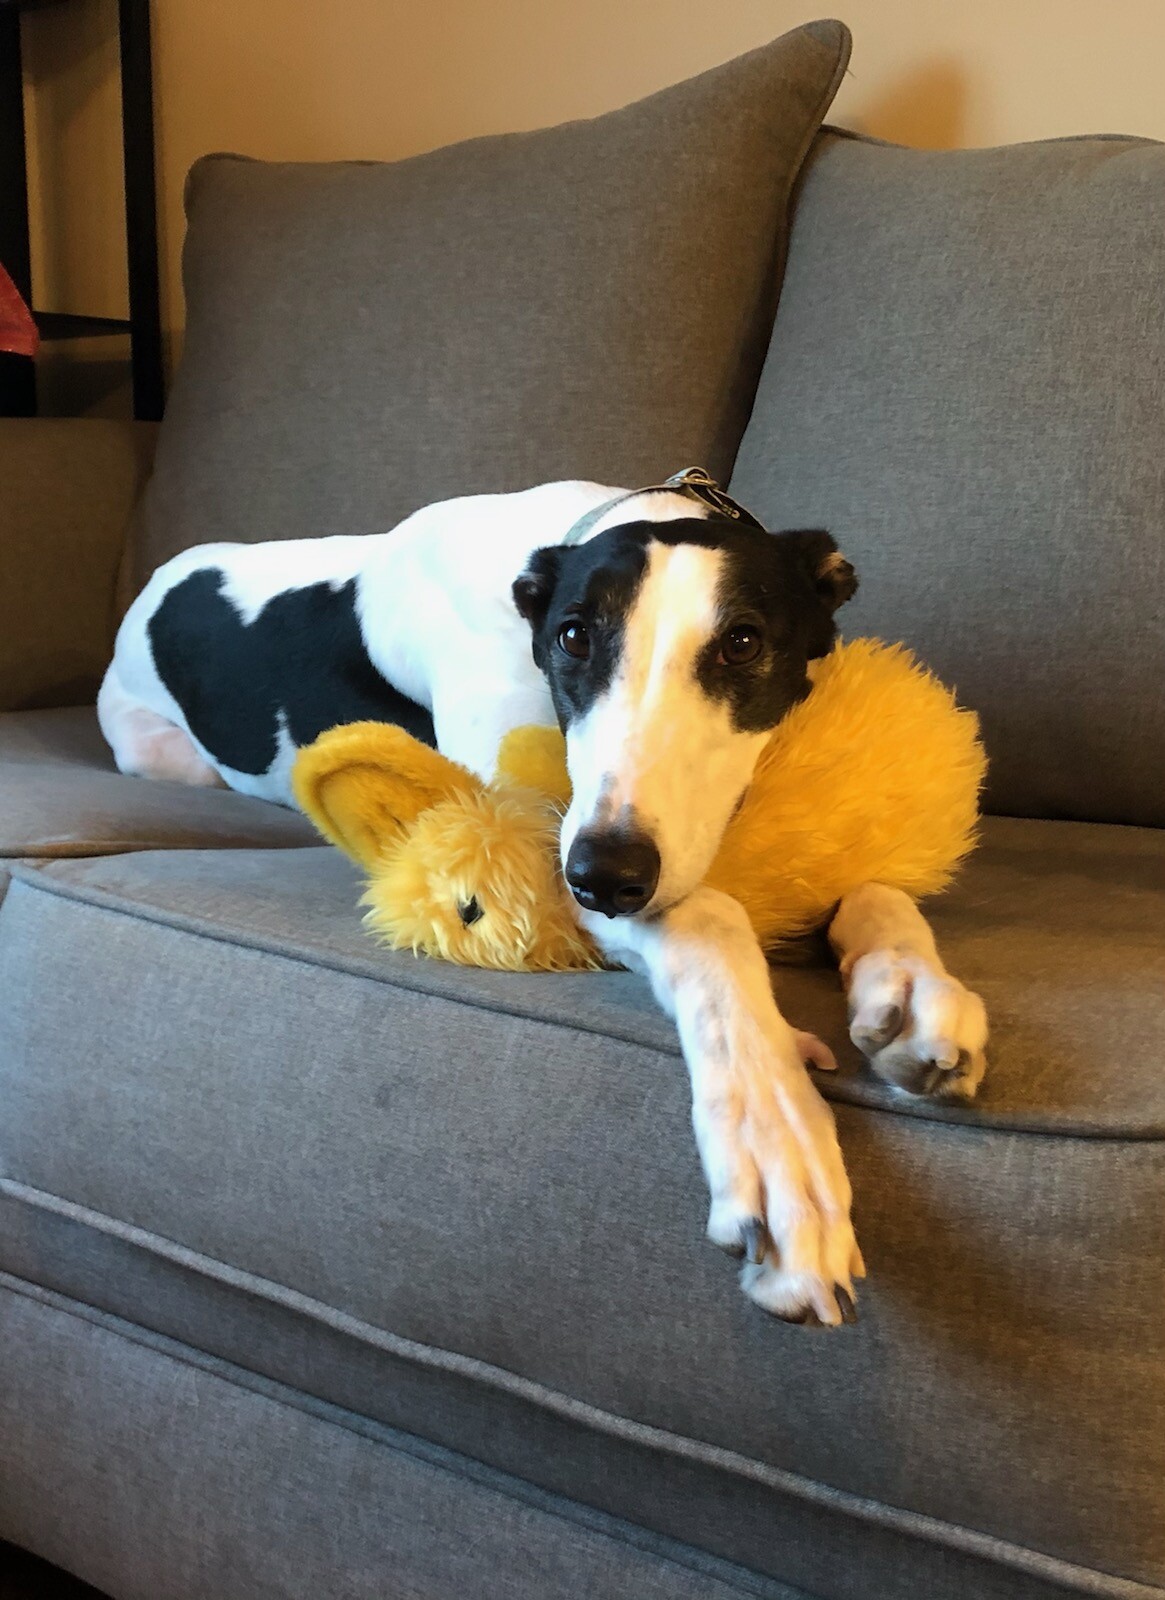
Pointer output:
303, 655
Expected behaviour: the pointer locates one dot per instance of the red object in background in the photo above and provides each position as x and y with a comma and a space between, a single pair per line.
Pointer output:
17, 329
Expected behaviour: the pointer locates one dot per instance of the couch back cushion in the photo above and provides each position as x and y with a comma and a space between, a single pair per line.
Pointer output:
966, 385
592, 300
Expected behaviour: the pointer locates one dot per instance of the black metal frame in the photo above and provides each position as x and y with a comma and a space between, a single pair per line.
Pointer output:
17, 379
141, 212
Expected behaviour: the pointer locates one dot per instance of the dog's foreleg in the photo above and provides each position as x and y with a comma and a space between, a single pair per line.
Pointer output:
779, 1189
921, 1030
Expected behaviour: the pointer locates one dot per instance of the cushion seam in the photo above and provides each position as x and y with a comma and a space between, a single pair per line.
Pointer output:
397, 1440
915, 1524
856, 136
31, 877
813, 124
99, 849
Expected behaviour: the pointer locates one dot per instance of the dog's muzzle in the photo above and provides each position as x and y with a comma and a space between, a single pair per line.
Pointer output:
614, 873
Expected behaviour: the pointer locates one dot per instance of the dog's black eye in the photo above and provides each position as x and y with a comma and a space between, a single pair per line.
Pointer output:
470, 912
574, 640
740, 645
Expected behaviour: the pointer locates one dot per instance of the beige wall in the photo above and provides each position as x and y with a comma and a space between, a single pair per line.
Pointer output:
313, 79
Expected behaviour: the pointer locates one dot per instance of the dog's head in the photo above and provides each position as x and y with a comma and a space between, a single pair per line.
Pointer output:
672, 650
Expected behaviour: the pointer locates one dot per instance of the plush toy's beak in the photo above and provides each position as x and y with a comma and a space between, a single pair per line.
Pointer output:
365, 783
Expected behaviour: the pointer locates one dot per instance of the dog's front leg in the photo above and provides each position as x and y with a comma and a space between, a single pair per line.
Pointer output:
779, 1188
921, 1030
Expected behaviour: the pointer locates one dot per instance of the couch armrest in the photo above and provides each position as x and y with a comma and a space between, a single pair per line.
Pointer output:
67, 488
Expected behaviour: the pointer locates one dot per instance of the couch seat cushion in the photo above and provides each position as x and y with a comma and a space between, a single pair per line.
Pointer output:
63, 796
965, 387
592, 300
468, 1204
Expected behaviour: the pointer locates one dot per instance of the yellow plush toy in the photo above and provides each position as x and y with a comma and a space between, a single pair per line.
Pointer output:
456, 868
874, 777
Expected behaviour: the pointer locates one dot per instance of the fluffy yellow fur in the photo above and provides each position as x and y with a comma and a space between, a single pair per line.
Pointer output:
433, 839
498, 849
875, 777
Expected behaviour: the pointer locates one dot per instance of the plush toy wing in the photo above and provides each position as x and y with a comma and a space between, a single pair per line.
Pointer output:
535, 758
874, 778
365, 783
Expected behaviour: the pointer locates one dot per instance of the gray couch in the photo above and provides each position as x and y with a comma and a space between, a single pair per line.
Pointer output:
326, 1272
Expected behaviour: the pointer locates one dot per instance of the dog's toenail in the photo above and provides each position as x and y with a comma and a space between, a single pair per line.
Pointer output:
889, 1023
849, 1311
755, 1237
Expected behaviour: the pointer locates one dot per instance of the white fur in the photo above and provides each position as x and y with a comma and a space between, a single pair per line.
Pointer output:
149, 744
906, 1011
438, 619
767, 1140
654, 745
434, 603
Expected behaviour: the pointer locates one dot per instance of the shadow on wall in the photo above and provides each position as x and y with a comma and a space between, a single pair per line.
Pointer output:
925, 108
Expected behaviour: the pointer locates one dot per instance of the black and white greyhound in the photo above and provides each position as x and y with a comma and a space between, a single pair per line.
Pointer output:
670, 635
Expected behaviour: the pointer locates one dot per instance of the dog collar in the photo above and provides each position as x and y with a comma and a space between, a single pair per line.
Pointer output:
694, 482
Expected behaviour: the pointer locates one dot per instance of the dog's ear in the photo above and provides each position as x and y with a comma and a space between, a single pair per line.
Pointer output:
365, 783
533, 590
832, 576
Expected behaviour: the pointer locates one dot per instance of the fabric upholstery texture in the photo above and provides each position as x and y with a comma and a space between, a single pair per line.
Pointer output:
61, 795
475, 1211
338, 1506
965, 386
319, 1260
67, 489
592, 300
1076, 908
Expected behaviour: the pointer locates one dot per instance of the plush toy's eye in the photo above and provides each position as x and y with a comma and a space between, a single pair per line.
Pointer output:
739, 645
574, 640
470, 912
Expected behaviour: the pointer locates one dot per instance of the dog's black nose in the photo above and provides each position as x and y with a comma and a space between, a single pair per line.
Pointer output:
615, 873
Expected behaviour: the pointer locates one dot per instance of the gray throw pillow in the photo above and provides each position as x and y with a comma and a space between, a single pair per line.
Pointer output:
966, 386
592, 300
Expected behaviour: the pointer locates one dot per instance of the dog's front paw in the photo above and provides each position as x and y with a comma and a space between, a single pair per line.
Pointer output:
920, 1029
780, 1193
